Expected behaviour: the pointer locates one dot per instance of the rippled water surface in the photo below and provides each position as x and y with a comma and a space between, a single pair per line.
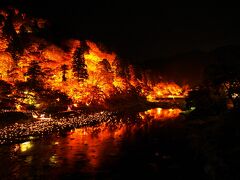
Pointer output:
118, 150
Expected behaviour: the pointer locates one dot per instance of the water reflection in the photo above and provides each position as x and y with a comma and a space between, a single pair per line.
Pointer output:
160, 114
95, 144
83, 151
25, 146
53, 159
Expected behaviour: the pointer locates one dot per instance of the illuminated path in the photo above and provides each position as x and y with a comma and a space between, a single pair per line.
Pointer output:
45, 126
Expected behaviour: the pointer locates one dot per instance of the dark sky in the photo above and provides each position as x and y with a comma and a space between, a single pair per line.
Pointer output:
140, 32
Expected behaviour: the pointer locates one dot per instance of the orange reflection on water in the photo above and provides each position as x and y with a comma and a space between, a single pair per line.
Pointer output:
94, 143
90, 149
160, 114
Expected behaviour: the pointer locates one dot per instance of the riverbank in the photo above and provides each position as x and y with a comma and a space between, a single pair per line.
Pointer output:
35, 128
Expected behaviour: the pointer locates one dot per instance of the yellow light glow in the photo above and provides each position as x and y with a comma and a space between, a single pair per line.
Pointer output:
18, 107
25, 146
159, 110
53, 159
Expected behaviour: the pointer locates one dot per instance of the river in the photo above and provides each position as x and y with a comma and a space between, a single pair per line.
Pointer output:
141, 149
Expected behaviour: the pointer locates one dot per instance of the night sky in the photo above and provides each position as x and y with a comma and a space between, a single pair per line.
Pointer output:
143, 32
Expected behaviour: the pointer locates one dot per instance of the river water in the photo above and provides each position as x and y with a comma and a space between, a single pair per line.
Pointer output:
138, 149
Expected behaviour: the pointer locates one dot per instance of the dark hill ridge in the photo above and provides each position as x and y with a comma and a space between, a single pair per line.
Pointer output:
189, 67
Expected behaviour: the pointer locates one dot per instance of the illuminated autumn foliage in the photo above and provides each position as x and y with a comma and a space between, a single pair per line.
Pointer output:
167, 90
80, 70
